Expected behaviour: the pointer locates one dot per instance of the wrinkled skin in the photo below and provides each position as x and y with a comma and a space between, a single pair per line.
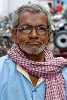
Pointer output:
32, 44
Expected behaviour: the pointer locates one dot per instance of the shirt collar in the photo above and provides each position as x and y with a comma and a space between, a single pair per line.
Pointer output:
26, 74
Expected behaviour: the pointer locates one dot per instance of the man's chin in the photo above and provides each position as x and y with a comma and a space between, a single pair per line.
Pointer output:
34, 50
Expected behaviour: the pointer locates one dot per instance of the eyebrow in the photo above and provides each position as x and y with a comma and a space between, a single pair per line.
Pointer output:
31, 25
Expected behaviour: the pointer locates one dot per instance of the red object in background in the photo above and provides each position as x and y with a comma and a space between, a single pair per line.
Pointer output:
62, 53
59, 8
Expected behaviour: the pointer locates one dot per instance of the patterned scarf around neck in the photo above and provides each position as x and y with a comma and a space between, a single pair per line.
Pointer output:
50, 70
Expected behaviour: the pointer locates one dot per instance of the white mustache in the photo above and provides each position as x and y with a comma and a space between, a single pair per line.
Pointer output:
34, 42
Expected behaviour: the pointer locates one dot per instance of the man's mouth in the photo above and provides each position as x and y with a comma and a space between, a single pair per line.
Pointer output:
34, 43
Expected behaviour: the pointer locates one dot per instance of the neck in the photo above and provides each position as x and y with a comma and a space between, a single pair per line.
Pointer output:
38, 58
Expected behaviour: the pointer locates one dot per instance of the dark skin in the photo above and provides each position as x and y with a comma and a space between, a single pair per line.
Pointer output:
33, 19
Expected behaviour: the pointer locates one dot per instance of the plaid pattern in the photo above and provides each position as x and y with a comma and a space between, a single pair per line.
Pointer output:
50, 70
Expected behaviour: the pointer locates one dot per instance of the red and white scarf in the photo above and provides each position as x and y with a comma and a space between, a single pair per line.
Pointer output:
50, 70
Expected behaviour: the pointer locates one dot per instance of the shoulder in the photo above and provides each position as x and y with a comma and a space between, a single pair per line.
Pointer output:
64, 72
6, 64
7, 70
64, 69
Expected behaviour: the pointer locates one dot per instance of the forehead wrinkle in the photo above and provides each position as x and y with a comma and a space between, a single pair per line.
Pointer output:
28, 17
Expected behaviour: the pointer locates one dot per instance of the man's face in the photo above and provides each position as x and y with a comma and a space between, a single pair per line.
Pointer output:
33, 36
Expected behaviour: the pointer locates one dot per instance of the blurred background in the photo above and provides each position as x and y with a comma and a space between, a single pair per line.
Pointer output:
58, 10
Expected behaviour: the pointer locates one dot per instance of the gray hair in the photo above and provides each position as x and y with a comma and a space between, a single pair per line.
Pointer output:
32, 8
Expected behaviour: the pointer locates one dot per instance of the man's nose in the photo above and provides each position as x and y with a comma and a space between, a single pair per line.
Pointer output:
34, 34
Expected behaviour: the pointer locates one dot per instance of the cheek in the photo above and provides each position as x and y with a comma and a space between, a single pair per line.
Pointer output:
44, 38
21, 38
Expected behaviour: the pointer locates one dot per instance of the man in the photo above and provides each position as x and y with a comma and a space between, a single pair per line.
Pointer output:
52, 9
29, 71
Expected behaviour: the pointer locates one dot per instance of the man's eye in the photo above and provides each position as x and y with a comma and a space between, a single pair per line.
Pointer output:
41, 28
25, 28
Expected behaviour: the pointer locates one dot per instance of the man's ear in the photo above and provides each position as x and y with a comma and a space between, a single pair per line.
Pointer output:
49, 34
14, 35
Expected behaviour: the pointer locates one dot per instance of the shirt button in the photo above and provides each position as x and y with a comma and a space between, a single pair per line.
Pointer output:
33, 90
